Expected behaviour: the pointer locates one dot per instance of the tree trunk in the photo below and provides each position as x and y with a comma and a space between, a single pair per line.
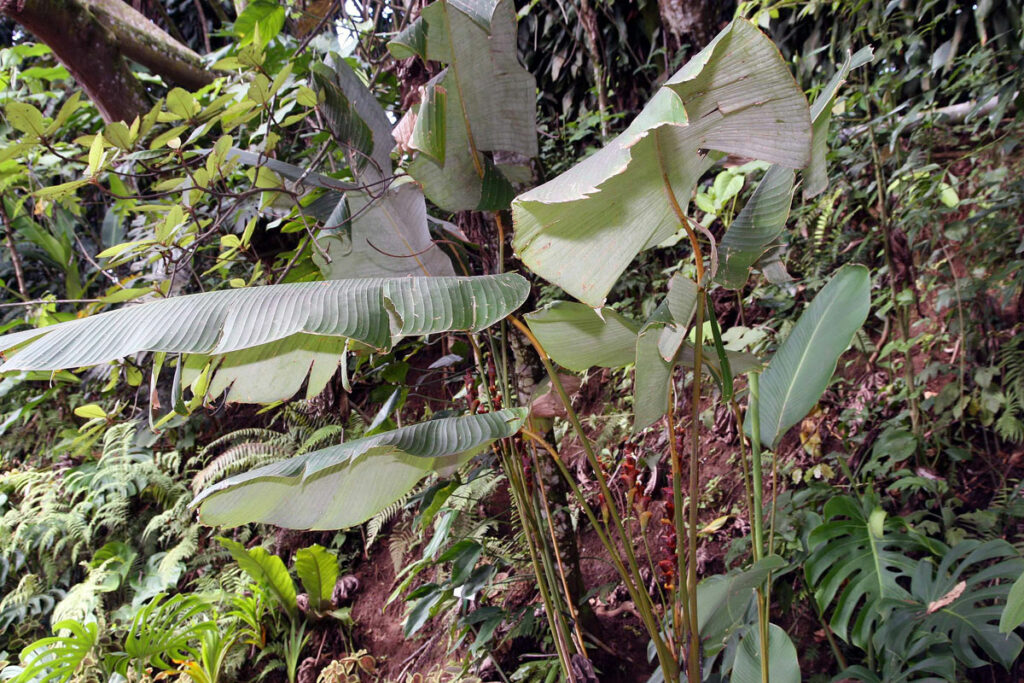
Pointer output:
93, 38
688, 22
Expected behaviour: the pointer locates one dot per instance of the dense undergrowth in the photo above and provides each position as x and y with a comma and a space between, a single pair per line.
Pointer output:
881, 536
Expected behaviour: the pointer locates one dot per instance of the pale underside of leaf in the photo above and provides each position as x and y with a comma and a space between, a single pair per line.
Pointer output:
345, 485
375, 312
388, 237
582, 229
756, 227
483, 102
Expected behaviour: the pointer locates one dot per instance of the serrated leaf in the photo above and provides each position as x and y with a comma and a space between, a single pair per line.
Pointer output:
800, 370
857, 568
582, 229
968, 621
345, 485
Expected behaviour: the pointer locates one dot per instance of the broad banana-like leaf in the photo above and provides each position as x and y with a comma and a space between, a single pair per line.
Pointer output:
265, 569
578, 338
756, 227
483, 102
355, 117
1013, 612
783, 663
345, 485
387, 236
383, 235
800, 370
582, 229
317, 569
816, 175
271, 322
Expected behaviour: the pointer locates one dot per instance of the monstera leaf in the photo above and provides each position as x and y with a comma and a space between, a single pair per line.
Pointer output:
858, 555
802, 367
484, 101
249, 330
345, 485
960, 601
58, 658
582, 229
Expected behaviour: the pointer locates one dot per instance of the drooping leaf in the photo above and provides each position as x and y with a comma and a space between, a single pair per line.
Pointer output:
756, 227
783, 663
376, 312
815, 175
267, 570
355, 117
723, 601
858, 554
386, 236
582, 229
317, 569
578, 339
961, 601
800, 370
483, 102
345, 485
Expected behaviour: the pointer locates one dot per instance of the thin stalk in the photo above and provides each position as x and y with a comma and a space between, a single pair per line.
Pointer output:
743, 454
665, 658
580, 646
513, 472
19, 272
680, 621
693, 660
758, 512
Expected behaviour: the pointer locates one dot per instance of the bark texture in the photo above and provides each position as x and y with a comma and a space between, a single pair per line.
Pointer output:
688, 22
93, 38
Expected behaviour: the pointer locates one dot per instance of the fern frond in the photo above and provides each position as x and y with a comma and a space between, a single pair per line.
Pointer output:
237, 458
381, 519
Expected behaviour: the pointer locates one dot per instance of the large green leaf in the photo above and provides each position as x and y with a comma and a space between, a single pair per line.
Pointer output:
858, 555
1013, 613
267, 570
724, 600
383, 232
816, 176
802, 367
783, 663
578, 337
582, 229
345, 485
317, 569
355, 117
757, 226
386, 236
961, 601
265, 323
164, 632
483, 102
